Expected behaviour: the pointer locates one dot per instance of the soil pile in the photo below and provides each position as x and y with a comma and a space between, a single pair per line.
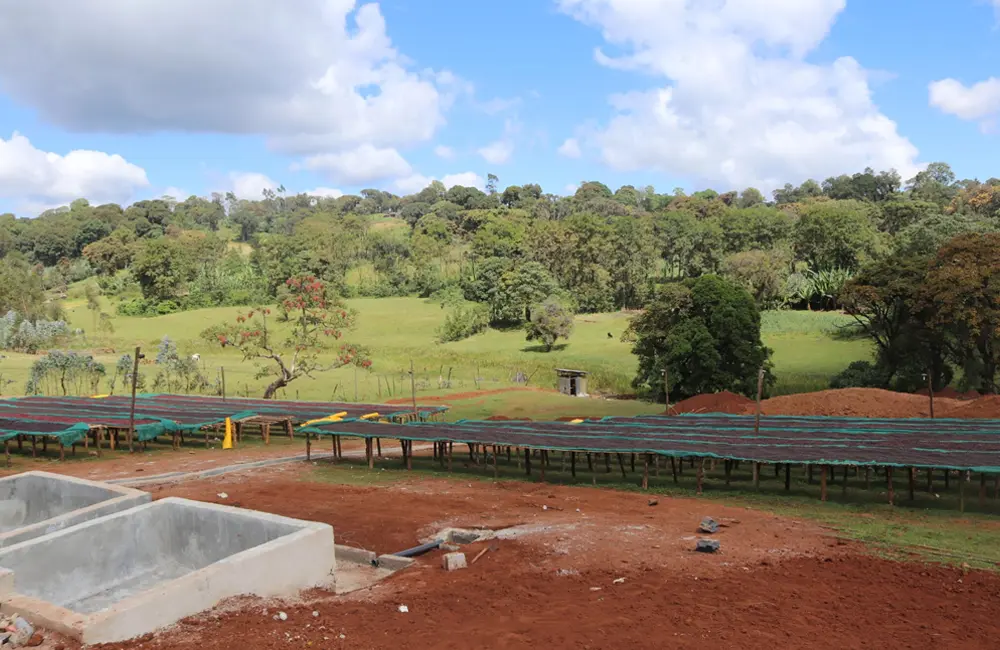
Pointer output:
987, 406
854, 402
724, 402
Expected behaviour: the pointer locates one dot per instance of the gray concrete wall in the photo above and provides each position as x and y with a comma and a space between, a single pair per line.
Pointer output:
127, 574
37, 503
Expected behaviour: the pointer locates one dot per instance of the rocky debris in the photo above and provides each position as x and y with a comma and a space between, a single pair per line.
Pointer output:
16, 631
708, 525
707, 546
654, 502
454, 561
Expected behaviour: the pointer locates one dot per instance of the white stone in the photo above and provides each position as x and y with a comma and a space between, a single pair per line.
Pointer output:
454, 561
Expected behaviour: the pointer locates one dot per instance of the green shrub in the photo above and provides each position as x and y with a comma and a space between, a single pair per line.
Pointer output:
463, 322
860, 374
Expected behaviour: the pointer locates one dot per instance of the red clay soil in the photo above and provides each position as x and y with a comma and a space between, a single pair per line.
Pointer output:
987, 406
722, 402
854, 402
472, 394
594, 569
950, 393
504, 418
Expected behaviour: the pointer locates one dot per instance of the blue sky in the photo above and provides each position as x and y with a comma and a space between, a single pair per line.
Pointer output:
173, 96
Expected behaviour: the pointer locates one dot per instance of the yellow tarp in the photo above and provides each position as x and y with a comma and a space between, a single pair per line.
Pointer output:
99, 396
330, 418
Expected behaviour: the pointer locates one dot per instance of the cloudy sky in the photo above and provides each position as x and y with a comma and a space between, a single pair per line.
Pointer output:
119, 100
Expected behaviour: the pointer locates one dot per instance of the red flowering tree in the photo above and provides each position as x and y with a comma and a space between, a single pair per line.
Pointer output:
316, 318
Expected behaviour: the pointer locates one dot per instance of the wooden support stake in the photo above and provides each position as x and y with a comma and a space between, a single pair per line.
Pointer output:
982, 489
378, 446
673, 468
760, 392
34, 451
621, 464
62, 451
131, 413
633, 463
340, 447
572, 464
930, 479
369, 454
888, 478
913, 482
822, 483
729, 471
607, 463
308, 446
590, 462
645, 473
450, 447
409, 452
756, 476
961, 492
541, 463
496, 470
788, 477
868, 478
701, 474
527, 461
809, 474
843, 487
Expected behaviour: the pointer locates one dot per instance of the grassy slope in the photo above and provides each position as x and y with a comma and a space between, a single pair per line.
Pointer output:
400, 329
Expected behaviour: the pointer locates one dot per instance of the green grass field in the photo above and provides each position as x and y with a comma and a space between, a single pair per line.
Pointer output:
807, 352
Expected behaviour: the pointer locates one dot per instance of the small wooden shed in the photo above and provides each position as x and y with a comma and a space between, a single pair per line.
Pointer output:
572, 382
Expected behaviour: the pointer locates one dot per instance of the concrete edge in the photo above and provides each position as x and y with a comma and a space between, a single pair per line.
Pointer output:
394, 562
122, 490
354, 555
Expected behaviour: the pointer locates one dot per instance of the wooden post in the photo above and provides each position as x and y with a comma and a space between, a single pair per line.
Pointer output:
729, 471
760, 392
982, 489
290, 429
701, 474
378, 447
607, 463
131, 413
913, 482
308, 446
822, 483
527, 461
843, 488
930, 479
222, 373
369, 454
621, 464
788, 477
868, 478
888, 478
542, 463
961, 492
496, 470
62, 451
34, 448
265, 431
645, 473
572, 463
673, 469
930, 391
756, 476
449, 445
409, 454
666, 388
413, 386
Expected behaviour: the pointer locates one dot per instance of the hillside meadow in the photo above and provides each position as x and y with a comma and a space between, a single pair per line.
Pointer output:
809, 347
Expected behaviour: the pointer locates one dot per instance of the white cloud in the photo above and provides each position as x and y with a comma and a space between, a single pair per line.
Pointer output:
250, 185
497, 153
571, 148
411, 184
740, 105
465, 179
979, 101
498, 105
312, 75
177, 193
40, 179
361, 165
325, 192
441, 151
571, 189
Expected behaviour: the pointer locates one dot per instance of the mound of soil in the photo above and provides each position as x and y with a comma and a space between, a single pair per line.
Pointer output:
724, 402
855, 402
950, 393
987, 406
504, 418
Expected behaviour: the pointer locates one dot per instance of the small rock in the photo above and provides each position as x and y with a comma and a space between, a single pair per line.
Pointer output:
707, 545
222, 495
654, 502
595, 588
315, 614
708, 525
618, 581
403, 609
343, 636
35, 640
283, 616
454, 561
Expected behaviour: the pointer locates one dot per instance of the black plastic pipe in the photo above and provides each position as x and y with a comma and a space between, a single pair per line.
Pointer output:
420, 550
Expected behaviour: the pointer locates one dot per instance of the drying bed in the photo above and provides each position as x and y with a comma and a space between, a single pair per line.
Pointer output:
171, 559
33, 504
924, 443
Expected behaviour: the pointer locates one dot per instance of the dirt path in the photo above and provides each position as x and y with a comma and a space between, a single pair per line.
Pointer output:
591, 568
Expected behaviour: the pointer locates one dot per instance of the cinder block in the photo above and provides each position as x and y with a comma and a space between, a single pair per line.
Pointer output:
454, 561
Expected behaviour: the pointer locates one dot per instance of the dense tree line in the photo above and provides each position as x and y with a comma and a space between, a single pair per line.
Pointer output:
494, 256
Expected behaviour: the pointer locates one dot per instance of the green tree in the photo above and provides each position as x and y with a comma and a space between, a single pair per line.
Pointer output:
962, 291
706, 331
550, 321
762, 273
836, 234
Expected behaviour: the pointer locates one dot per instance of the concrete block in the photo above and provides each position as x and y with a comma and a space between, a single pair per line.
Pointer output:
132, 572
354, 555
394, 562
454, 561
33, 504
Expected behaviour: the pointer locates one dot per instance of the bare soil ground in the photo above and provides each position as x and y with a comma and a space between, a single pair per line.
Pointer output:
589, 568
